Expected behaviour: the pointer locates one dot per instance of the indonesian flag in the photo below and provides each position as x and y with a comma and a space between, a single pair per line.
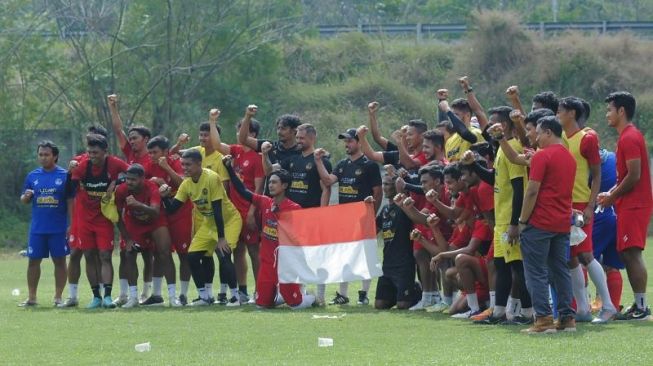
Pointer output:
329, 244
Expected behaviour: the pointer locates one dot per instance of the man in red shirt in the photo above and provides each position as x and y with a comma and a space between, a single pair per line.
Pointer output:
631, 198
95, 232
544, 222
248, 166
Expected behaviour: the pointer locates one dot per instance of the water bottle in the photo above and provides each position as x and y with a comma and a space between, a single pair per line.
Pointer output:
579, 220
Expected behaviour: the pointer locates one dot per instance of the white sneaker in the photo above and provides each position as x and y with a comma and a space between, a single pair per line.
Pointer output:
130, 303
120, 301
234, 301
417, 307
200, 302
174, 302
437, 308
463, 315
70, 302
143, 297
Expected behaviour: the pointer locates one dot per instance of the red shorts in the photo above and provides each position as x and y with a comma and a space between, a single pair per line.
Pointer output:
266, 288
482, 291
632, 226
490, 253
95, 235
482, 231
142, 233
180, 226
586, 245
460, 236
73, 239
247, 236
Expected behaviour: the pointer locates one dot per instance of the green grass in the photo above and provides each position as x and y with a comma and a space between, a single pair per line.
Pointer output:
245, 335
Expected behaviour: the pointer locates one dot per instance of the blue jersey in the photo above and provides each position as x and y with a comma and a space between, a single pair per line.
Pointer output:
608, 178
49, 210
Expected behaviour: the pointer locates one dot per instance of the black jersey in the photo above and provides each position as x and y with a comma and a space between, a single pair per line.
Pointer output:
305, 188
356, 178
395, 227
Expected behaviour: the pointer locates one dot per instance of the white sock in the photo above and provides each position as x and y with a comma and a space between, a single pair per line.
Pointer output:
72, 290
209, 289
146, 289
579, 289
447, 299
472, 302
234, 292
493, 298
184, 287
157, 282
366, 285
133, 292
321, 291
101, 285
599, 279
307, 301
124, 287
437, 298
498, 311
344, 289
510, 308
203, 293
223, 288
517, 309
527, 312
172, 290
640, 300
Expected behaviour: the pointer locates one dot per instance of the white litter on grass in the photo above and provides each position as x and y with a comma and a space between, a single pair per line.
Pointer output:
315, 316
15, 292
325, 342
143, 347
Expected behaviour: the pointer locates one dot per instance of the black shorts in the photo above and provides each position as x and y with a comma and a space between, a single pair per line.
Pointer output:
395, 287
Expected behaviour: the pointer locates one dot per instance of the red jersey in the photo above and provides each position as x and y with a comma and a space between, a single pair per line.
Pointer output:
482, 197
148, 195
551, 167
155, 170
420, 157
93, 183
248, 166
131, 158
631, 145
269, 221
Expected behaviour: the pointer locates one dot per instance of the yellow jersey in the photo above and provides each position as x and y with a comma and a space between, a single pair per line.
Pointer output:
576, 146
455, 146
206, 190
213, 162
504, 172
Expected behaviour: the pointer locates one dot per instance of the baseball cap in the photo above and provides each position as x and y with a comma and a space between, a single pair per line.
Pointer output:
349, 134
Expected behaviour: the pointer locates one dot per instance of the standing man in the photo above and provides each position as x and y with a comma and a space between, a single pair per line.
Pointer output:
95, 231
48, 190
544, 225
357, 178
631, 198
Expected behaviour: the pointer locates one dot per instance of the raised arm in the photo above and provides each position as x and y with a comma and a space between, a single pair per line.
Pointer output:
372, 108
235, 181
214, 134
243, 133
404, 158
181, 141
458, 125
116, 122
474, 104
519, 129
265, 158
328, 179
407, 205
377, 156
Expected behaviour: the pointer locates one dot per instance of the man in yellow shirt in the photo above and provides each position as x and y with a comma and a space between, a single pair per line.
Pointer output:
219, 225
460, 115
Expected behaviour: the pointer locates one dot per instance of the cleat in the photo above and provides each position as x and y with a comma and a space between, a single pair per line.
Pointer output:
437, 308
107, 302
95, 303
222, 299
466, 315
173, 302
417, 307
233, 302
339, 300
584, 318
243, 298
27, 304
201, 302
183, 300
492, 320
70, 302
130, 303
362, 298
153, 301
482, 315
57, 303
143, 298
605, 315
635, 314
120, 301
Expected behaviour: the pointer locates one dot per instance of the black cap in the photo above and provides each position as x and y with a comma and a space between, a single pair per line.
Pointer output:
349, 134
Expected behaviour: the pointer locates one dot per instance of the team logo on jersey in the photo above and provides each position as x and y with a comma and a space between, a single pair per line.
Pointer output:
205, 191
392, 214
309, 166
36, 182
58, 181
358, 171
246, 163
340, 170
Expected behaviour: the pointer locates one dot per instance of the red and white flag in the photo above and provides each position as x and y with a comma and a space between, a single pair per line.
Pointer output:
329, 244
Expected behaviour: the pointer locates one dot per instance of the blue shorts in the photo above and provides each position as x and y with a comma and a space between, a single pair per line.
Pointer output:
45, 245
604, 234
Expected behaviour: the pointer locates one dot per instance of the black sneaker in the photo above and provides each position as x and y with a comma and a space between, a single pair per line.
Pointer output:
153, 301
491, 320
362, 298
635, 314
183, 300
339, 300
518, 320
222, 299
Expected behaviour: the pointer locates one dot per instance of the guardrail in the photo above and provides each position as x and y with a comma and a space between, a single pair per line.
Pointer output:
421, 30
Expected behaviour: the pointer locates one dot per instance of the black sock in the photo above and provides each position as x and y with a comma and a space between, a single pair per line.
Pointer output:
243, 289
107, 290
96, 290
229, 269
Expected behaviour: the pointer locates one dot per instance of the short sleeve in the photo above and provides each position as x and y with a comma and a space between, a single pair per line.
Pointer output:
27, 184
630, 148
327, 165
538, 166
220, 169
391, 157
258, 167
79, 172
374, 174
182, 191
337, 171
391, 146
589, 149
155, 197
259, 143
216, 190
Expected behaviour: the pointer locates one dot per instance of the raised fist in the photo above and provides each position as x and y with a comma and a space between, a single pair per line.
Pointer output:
516, 116
442, 94
214, 113
183, 139
464, 82
390, 170
165, 190
251, 110
444, 105
468, 158
496, 131
512, 91
432, 195
398, 135
361, 131
227, 160
399, 198
415, 234
372, 107
29, 193
266, 147
163, 162
320, 153
72, 165
408, 202
112, 100
433, 220
131, 201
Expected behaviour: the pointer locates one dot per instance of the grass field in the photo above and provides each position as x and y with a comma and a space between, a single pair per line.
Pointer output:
245, 335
